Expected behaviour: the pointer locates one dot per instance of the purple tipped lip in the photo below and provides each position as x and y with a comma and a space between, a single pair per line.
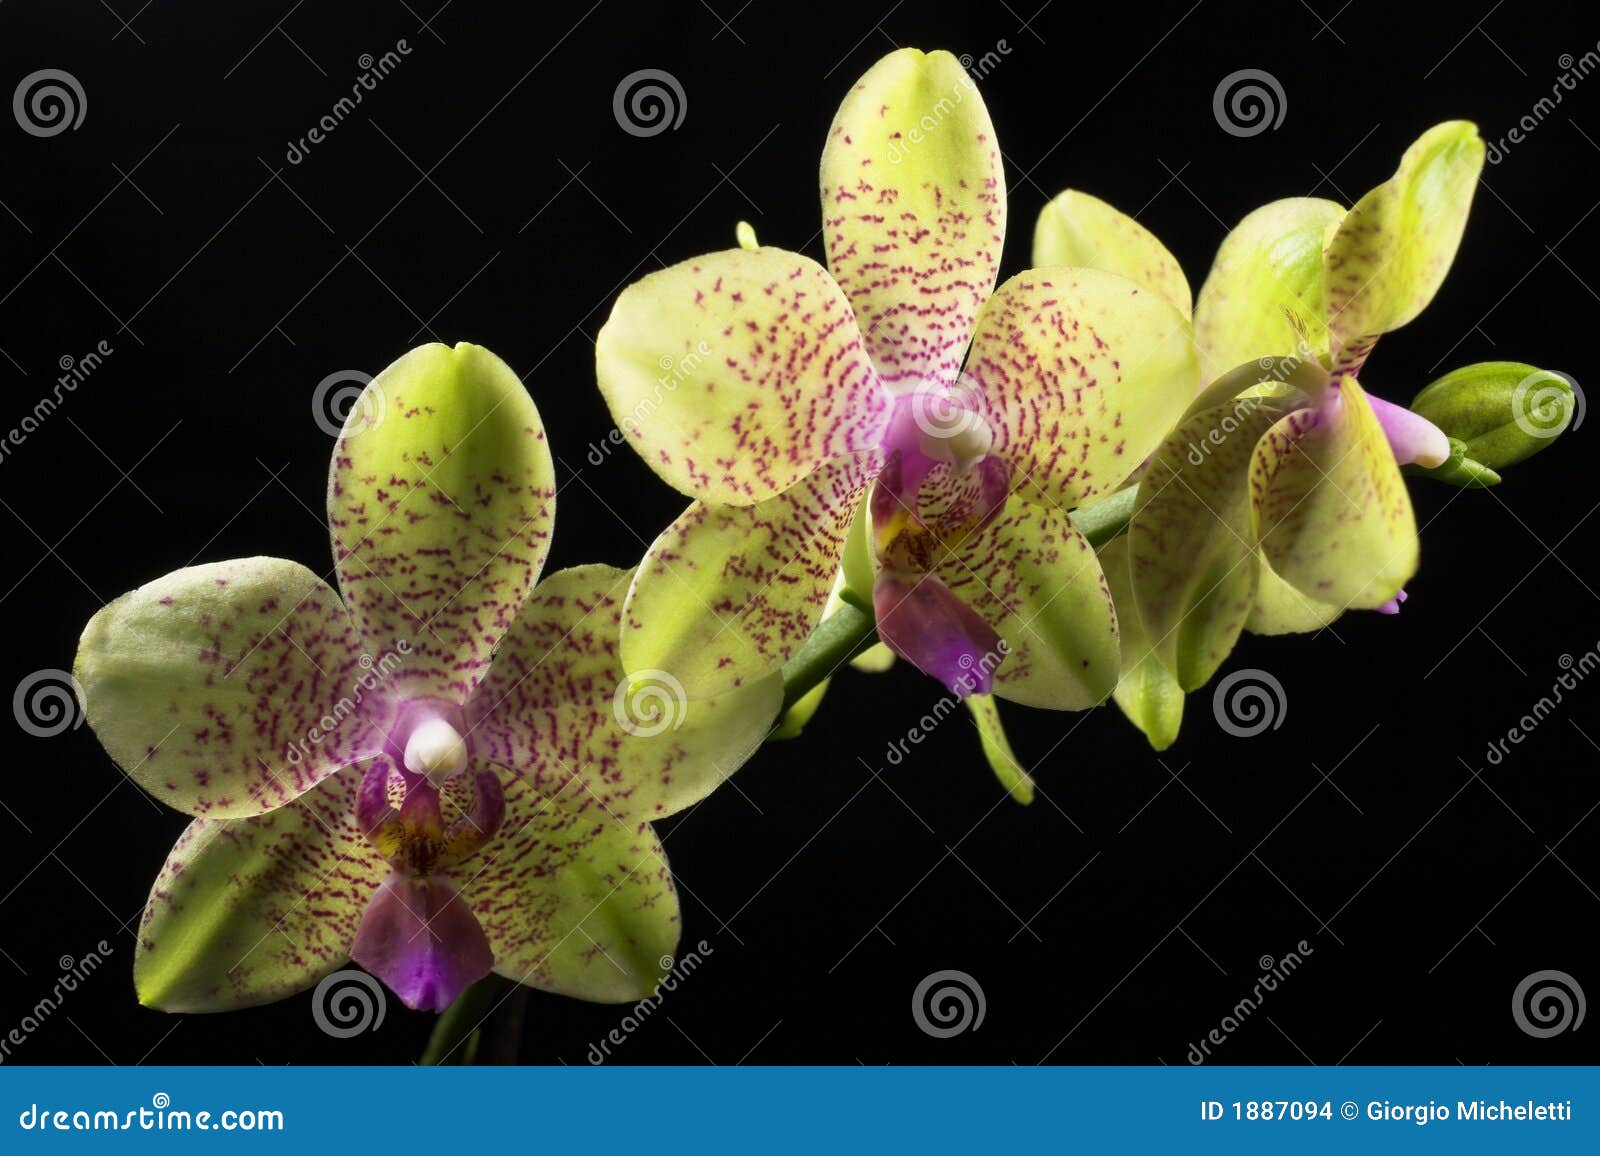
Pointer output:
418, 937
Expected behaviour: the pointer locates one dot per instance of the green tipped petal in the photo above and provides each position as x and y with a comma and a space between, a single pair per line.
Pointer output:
441, 499
247, 911
1264, 295
1147, 692
1081, 374
228, 689
745, 233
557, 709
1077, 229
575, 902
914, 211
737, 374
997, 748
726, 594
1391, 252
1191, 544
1331, 510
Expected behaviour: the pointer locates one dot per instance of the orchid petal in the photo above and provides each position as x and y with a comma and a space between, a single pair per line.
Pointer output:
1077, 229
997, 748
739, 373
1033, 577
727, 594
1391, 252
1331, 510
441, 499
1264, 295
247, 911
575, 902
913, 212
557, 709
227, 689
1191, 543
1281, 609
1147, 692
1081, 374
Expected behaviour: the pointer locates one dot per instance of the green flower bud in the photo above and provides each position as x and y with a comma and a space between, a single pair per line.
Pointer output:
1502, 411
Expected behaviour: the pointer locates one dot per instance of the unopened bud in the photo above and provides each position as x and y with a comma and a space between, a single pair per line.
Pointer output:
1501, 411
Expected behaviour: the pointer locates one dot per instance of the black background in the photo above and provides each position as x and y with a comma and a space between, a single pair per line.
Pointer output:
485, 192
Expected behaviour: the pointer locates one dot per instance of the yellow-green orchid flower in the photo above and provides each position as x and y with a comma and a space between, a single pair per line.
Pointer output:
1278, 502
437, 773
975, 417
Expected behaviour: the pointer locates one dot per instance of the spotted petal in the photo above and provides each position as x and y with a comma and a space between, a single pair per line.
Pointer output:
726, 594
1391, 252
227, 689
441, 499
1034, 578
1264, 295
557, 709
1077, 229
247, 911
574, 902
913, 212
1147, 692
738, 373
1331, 509
1191, 543
1081, 374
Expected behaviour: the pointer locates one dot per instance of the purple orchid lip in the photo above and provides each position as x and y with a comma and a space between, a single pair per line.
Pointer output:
418, 936
928, 626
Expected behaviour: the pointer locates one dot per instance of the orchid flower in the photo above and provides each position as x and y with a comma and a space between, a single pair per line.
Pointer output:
888, 414
1278, 502
440, 774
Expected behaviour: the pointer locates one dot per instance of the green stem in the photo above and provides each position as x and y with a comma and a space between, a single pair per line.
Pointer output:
850, 630
456, 1036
